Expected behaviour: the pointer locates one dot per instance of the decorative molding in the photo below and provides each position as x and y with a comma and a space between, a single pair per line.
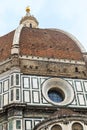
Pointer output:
53, 60
4, 62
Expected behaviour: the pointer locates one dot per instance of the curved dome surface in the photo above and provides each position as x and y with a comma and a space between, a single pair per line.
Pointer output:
5, 46
48, 43
41, 43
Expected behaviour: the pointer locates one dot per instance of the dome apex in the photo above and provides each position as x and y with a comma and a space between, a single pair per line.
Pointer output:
28, 20
27, 9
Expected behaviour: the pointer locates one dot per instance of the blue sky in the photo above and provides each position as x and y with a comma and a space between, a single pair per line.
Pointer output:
68, 15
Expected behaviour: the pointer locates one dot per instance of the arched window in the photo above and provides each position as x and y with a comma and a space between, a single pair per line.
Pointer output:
30, 25
76, 69
56, 127
77, 126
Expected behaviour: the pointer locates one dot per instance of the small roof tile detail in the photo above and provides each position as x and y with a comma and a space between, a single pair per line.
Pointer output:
41, 43
5, 46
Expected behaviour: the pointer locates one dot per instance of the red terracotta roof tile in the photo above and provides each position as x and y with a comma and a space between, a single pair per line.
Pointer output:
5, 46
41, 43
48, 43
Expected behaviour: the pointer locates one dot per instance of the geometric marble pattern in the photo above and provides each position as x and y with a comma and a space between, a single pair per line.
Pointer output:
28, 89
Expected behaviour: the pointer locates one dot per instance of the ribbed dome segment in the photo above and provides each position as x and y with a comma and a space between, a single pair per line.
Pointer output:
48, 43
5, 46
45, 43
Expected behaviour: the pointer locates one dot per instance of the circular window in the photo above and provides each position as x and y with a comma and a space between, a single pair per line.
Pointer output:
57, 91
77, 126
56, 95
56, 127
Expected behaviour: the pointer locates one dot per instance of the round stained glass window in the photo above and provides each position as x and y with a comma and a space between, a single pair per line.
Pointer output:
55, 95
57, 91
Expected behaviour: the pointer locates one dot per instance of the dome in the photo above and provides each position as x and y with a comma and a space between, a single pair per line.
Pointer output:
37, 42
29, 40
48, 43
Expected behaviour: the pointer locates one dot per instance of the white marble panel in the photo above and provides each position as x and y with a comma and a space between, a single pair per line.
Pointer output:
78, 86
35, 83
28, 125
85, 84
74, 102
35, 97
36, 122
44, 101
42, 80
70, 81
26, 96
6, 99
81, 99
26, 82
5, 85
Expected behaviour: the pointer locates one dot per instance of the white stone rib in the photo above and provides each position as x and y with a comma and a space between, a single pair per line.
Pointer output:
17, 35
15, 44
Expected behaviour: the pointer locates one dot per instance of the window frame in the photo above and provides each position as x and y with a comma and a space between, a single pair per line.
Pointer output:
19, 125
